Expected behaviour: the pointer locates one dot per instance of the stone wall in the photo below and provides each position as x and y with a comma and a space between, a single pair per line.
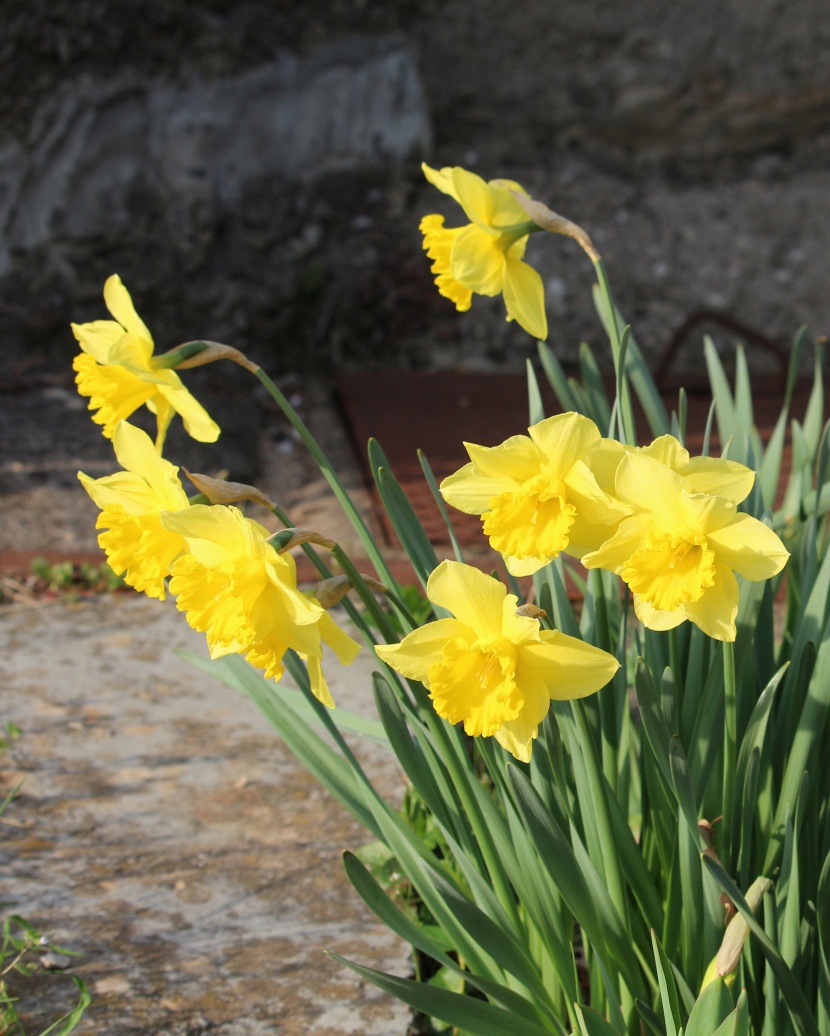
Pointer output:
251, 169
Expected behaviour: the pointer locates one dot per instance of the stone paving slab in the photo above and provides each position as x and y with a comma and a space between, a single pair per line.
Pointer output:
169, 835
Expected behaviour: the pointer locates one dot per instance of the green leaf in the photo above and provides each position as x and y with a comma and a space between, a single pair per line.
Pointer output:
466, 1013
402, 515
593, 1024
800, 1010
737, 1023
594, 386
721, 393
713, 1006
229, 670
823, 929
63, 1026
536, 408
668, 990
585, 895
557, 378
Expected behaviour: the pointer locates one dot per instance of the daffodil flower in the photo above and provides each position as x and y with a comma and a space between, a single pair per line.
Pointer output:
116, 370
131, 501
242, 594
537, 494
490, 667
486, 256
683, 543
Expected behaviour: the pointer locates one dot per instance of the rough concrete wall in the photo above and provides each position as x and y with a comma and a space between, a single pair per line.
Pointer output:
251, 169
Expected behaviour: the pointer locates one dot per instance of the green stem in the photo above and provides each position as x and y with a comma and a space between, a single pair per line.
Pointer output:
674, 661
729, 741
330, 476
628, 429
462, 777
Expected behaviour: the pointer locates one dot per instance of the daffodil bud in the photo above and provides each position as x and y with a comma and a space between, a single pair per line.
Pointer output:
288, 538
725, 963
331, 591
551, 221
197, 354
218, 491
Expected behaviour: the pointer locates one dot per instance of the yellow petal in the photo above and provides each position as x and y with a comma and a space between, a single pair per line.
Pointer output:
650, 487
135, 452
506, 211
668, 450
197, 421
123, 489
527, 564
442, 179
717, 609
517, 735
722, 477
569, 667
475, 599
319, 686
98, 337
477, 261
337, 639
474, 196
564, 439
749, 547
615, 551
119, 303
421, 648
471, 492
655, 619
511, 463
524, 297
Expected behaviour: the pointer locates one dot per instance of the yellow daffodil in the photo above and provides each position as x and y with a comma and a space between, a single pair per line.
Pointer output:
131, 501
115, 369
537, 494
685, 539
491, 668
235, 588
486, 256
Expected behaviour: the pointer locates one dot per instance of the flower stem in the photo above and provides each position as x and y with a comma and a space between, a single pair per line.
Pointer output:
628, 428
330, 476
729, 742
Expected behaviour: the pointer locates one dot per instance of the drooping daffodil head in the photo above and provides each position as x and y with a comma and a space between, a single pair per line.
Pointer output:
486, 256
685, 539
115, 369
490, 667
136, 543
234, 587
537, 494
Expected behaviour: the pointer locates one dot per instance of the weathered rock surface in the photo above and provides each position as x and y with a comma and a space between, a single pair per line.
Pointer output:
244, 166
165, 831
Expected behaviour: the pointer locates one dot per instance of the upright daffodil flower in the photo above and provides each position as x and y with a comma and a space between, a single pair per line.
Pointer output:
236, 589
131, 501
537, 494
116, 370
683, 543
491, 668
486, 256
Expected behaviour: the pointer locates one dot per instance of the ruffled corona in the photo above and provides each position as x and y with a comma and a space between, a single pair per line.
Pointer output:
537, 494
235, 588
131, 501
115, 371
491, 668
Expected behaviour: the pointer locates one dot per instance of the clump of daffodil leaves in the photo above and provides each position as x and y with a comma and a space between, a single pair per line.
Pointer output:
613, 713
